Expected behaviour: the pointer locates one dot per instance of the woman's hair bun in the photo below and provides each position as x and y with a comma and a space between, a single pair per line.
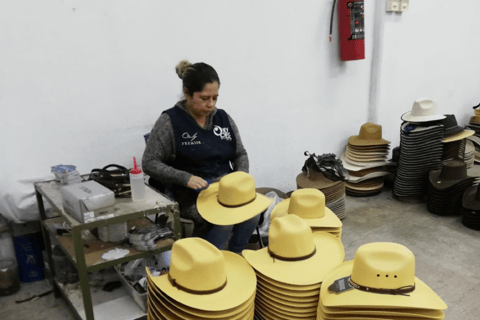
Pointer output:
182, 67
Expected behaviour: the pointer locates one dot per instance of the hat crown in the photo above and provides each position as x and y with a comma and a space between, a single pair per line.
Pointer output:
307, 203
423, 107
383, 265
453, 170
197, 265
450, 121
370, 131
290, 237
236, 189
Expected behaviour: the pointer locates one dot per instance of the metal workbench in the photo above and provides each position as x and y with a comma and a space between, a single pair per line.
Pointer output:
86, 252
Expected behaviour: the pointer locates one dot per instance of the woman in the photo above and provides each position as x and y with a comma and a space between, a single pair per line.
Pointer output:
192, 144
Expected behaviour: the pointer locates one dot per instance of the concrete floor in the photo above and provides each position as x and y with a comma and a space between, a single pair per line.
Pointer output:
447, 256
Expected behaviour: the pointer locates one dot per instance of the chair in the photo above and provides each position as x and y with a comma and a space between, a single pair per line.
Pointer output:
187, 224
256, 237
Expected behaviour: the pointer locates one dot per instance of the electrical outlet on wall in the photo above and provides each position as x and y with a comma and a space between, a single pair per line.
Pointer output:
404, 4
393, 5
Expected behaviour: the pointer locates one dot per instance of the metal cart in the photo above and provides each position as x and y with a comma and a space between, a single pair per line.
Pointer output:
86, 254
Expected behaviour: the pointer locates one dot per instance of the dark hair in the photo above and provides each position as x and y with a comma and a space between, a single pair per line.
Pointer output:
196, 76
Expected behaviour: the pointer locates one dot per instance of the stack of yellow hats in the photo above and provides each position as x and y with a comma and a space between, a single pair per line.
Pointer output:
291, 270
309, 204
366, 153
334, 191
378, 283
203, 282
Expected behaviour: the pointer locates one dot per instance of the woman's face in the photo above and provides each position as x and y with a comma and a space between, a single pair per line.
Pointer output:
202, 103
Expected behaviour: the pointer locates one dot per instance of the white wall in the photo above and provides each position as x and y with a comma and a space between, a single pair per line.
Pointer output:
82, 81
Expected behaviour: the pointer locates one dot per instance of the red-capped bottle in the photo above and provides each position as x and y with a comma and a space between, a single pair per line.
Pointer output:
137, 183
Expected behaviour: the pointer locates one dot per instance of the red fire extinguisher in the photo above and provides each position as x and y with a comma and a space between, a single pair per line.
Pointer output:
351, 28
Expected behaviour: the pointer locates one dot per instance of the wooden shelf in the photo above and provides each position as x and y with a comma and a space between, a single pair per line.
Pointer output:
95, 248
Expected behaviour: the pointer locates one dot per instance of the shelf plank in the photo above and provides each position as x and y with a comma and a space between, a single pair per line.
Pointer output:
116, 304
95, 248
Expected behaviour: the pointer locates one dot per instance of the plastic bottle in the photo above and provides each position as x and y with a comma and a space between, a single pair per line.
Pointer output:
137, 184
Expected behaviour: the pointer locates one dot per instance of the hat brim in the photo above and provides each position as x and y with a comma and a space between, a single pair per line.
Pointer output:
269, 288
212, 211
286, 286
404, 313
469, 201
241, 285
328, 220
459, 136
438, 183
287, 302
356, 166
329, 254
316, 180
287, 308
163, 310
358, 141
353, 179
410, 118
422, 297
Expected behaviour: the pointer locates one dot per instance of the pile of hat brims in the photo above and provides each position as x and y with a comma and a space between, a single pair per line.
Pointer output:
421, 149
334, 191
446, 187
471, 208
291, 270
365, 158
379, 283
203, 282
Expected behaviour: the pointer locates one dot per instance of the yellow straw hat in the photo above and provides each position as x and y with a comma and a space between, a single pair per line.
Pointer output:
382, 275
295, 255
205, 278
308, 204
231, 200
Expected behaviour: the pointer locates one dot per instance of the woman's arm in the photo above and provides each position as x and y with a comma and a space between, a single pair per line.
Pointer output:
240, 163
159, 151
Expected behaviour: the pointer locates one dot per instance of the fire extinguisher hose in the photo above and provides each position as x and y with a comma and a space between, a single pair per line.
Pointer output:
331, 19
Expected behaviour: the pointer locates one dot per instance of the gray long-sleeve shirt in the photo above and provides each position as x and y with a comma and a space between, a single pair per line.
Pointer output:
160, 150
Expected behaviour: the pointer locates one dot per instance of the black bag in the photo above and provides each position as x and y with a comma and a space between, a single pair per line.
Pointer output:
117, 180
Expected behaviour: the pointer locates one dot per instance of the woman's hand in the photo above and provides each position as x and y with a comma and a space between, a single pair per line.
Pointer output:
196, 183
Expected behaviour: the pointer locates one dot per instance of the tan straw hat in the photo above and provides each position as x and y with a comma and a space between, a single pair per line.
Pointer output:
231, 200
308, 204
370, 135
295, 255
382, 274
205, 278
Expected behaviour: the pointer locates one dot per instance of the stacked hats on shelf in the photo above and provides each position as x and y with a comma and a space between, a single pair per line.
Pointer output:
421, 149
474, 124
327, 174
379, 283
291, 270
203, 282
365, 158
446, 187
454, 141
309, 204
471, 208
